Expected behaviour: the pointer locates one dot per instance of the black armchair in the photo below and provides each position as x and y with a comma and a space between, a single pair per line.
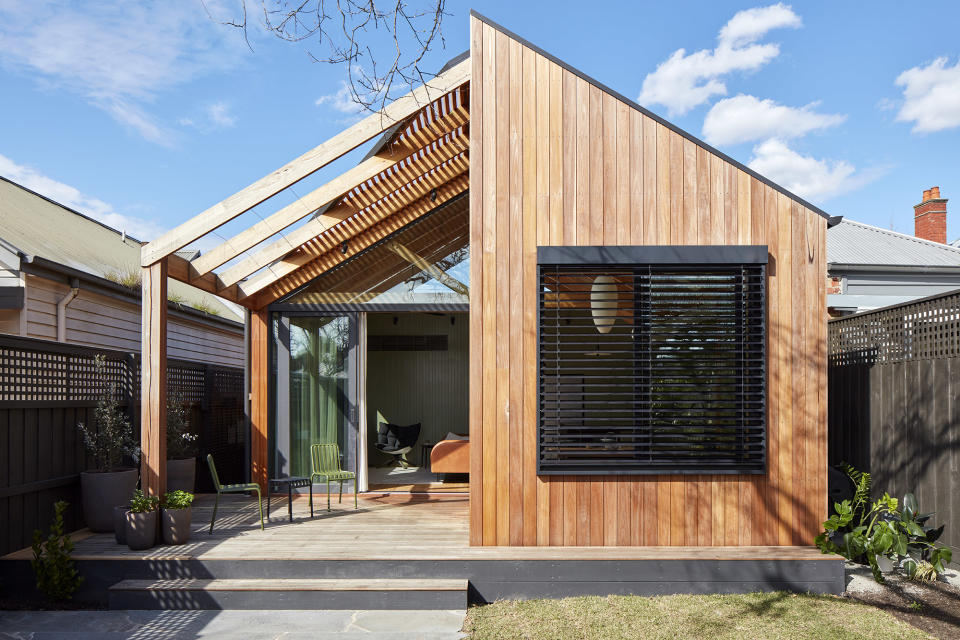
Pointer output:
397, 440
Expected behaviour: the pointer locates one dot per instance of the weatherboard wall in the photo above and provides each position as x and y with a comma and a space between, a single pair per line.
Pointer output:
557, 160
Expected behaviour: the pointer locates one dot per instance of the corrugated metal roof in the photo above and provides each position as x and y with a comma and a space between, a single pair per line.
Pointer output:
856, 243
38, 226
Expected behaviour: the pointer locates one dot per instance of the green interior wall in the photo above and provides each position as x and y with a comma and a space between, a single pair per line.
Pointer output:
429, 387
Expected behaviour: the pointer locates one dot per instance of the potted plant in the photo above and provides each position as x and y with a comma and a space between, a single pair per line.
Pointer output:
142, 521
181, 445
175, 516
108, 441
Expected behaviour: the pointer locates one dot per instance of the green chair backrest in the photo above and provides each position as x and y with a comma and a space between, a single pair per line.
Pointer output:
213, 471
325, 457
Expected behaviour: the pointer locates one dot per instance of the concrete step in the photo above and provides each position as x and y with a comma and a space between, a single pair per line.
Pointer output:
289, 593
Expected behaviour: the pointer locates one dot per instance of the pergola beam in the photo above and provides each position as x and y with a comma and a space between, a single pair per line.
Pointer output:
179, 269
308, 266
321, 196
301, 167
429, 268
307, 252
415, 167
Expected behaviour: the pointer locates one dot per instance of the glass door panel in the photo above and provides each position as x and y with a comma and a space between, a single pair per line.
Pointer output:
315, 389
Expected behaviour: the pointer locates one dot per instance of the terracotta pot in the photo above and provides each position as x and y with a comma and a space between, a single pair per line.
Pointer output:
181, 474
101, 491
175, 524
120, 524
141, 530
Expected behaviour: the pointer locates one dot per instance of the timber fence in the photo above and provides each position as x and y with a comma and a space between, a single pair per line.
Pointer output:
894, 401
47, 388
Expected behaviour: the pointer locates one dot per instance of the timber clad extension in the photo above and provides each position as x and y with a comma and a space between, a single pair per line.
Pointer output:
548, 158
558, 161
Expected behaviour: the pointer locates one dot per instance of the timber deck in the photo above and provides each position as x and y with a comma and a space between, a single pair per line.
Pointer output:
385, 527
405, 536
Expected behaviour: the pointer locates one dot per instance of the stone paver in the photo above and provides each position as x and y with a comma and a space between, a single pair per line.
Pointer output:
250, 625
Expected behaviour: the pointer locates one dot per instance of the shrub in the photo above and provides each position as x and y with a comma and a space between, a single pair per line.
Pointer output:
56, 574
180, 439
884, 534
177, 499
111, 437
142, 503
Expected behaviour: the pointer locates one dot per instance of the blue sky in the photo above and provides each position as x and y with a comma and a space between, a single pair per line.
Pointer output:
144, 114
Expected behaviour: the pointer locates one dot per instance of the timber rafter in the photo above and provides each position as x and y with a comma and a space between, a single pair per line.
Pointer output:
422, 161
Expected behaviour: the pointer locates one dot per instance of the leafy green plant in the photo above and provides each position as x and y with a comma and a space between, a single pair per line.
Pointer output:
111, 437
142, 503
180, 439
883, 534
177, 499
56, 574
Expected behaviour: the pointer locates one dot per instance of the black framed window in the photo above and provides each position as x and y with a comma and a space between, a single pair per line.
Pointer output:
652, 360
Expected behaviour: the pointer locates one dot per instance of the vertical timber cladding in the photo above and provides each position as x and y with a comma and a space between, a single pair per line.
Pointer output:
555, 160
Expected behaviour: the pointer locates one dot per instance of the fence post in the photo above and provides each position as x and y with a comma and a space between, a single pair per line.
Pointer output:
206, 406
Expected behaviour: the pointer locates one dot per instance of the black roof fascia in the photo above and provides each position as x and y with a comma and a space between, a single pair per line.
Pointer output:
831, 220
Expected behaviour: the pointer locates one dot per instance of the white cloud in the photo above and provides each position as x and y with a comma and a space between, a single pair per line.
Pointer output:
341, 100
931, 96
808, 177
745, 118
116, 55
683, 81
72, 197
219, 114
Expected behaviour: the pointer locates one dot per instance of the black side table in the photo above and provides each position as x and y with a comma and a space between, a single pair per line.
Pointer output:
425, 449
293, 482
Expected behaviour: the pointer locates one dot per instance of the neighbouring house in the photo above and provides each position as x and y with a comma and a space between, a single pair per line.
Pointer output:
869, 267
644, 358
69, 278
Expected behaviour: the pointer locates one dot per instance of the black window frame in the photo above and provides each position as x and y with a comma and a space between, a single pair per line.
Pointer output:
687, 257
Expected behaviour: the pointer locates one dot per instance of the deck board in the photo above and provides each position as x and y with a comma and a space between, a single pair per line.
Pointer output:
414, 527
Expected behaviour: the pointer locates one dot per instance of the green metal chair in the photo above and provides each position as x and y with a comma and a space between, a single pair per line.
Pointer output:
231, 488
325, 463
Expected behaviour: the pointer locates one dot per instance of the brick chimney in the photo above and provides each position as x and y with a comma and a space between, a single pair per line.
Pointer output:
930, 217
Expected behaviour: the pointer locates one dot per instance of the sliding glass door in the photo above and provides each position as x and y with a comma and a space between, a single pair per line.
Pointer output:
315, 389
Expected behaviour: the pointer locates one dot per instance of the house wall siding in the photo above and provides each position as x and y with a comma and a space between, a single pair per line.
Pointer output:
557, 161
103, 321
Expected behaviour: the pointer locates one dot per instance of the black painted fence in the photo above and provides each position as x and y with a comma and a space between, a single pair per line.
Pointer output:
47, 388
894, 401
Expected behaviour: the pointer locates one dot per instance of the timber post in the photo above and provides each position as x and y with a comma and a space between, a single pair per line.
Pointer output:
153, 376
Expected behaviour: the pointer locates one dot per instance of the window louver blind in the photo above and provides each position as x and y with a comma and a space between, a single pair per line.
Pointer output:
652, 368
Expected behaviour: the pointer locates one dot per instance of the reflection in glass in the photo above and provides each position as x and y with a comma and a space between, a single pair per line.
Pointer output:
318, 386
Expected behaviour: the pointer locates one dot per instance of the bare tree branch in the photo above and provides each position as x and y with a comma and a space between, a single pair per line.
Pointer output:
358, 34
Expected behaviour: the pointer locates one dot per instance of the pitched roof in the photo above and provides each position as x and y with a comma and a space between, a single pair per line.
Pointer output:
37, 226
852, 242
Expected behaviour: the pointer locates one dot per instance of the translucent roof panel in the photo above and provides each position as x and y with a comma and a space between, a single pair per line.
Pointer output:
425, 263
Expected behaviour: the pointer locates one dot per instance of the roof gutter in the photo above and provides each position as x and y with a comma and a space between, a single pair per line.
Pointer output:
39, 266
838, 267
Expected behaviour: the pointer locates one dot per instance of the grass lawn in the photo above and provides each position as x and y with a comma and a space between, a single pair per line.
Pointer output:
714, 617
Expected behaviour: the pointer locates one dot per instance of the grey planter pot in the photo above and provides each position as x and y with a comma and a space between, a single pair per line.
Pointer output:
120, 524
141, 530
181, 474
101, 491
175, 524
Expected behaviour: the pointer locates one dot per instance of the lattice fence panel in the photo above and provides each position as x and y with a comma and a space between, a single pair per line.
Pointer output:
920, 330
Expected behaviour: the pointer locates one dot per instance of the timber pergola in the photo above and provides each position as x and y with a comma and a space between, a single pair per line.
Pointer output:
421, 162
